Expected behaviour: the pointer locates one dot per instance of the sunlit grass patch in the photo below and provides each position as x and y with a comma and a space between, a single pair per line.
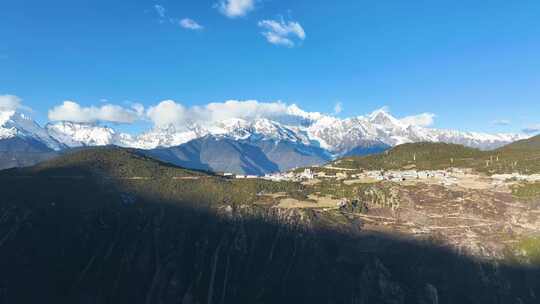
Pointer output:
526, 190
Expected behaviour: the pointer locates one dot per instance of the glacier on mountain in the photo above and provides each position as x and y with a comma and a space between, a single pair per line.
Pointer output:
15, 124
335, 135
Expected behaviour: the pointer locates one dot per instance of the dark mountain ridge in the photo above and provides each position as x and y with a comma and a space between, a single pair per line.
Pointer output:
22, 152
240, 156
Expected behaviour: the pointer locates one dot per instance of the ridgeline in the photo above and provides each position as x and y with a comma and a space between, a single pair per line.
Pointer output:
522, 156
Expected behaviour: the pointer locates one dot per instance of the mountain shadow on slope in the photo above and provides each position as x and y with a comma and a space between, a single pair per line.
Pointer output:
289, 155
240, 156
368, 148
109, 240
22, 152
217, 155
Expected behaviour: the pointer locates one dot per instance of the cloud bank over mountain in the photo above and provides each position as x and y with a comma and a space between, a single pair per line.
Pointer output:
172, 113
12, 103
423, 120
72, 111
261, 124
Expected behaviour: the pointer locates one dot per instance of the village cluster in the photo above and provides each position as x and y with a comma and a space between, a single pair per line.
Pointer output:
449, 176
517, 177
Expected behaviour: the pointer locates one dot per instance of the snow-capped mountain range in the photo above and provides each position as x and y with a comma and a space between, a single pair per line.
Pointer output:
18, 125
335, 135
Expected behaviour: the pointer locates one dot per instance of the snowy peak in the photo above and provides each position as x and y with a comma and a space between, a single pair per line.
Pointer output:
336, 136
163, 137
342, 135
81, 134
382, 118
16, 124
6, 131
264, 129
235, 129
301, 115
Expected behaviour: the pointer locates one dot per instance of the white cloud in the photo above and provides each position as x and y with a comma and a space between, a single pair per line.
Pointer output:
190, 24
138, 108
533, 129
12, 103
250, 109
9, 102
160, 10
281, 32
72, 111
186, 23
501, 122
235, 8
338, 108
422, 120
169, 112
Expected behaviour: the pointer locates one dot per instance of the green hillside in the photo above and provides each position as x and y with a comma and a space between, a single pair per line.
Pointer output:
522, 156
526, 145
416, 155
112, 161
126, 168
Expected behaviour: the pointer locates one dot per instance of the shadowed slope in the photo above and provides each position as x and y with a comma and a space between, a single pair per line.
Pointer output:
163, 240
219, 155
21, 152
241, 156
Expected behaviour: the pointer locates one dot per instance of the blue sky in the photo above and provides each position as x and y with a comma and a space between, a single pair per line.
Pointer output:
471, 63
